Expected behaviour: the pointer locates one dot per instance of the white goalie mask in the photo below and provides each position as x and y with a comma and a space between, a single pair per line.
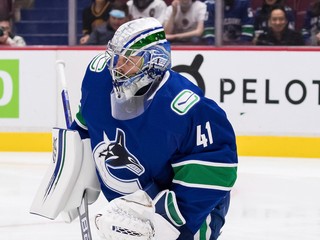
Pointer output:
139, 55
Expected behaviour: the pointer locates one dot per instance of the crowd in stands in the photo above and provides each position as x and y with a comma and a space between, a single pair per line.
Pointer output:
192, 22
278, 32
7, 36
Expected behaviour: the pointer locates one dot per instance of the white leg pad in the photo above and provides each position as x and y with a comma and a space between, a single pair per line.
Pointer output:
69, 174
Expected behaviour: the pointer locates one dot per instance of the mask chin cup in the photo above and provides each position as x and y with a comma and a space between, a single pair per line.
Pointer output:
123, 108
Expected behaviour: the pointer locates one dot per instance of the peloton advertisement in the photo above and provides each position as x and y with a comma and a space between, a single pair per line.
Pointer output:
264, 92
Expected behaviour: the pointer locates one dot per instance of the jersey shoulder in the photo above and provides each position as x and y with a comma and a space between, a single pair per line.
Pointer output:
97, 72
98, 63
184, 94
177, 102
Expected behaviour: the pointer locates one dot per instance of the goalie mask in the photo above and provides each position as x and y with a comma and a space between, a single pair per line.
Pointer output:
139, 55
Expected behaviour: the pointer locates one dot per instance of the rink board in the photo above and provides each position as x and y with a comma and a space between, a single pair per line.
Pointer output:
271, 95
269, 146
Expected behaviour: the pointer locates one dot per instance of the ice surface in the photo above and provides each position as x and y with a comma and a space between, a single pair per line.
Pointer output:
274, 198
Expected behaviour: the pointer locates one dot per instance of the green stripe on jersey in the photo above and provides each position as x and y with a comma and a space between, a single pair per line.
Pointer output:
80, 118
247, 30
173, 211
203, 231
206, 175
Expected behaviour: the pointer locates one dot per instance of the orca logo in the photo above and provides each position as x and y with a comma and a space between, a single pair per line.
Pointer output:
192, 71
114, 155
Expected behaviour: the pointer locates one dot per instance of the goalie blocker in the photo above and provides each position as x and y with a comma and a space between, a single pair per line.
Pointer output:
70, 173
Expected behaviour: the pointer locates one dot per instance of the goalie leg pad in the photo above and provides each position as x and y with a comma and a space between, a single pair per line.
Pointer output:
61, 175
67, 176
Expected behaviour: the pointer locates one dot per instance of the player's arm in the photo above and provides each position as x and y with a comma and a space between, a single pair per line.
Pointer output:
79, 125
193, 33
197, 32
204, 176
95, 72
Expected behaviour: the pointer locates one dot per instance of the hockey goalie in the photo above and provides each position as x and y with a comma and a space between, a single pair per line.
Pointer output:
165, 156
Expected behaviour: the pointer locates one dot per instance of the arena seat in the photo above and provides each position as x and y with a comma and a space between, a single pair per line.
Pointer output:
46, 23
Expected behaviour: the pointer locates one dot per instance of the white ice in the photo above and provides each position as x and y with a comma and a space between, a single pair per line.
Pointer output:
274, 198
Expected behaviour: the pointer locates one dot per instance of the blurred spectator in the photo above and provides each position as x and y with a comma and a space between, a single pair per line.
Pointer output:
7, 38
311, 27
6, 9
262, 13
184, 21
18, 5
118, 15
278, 32
95, 15
147, 8
237, 23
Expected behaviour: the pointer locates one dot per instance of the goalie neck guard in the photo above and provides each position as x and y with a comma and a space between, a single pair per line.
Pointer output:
139, 56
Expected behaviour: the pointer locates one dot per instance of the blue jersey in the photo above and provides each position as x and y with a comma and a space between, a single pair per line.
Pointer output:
182, 142
311, 27
237, 22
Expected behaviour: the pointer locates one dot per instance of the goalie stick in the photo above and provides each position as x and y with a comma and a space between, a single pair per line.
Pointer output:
64, 92
83, 211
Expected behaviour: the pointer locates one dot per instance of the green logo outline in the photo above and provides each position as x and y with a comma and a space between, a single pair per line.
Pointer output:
184, 101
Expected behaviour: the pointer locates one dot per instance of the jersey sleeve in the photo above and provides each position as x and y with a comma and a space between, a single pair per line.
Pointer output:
209, 31
205, 167
96, 71
80, 126
247, 20
79, 123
